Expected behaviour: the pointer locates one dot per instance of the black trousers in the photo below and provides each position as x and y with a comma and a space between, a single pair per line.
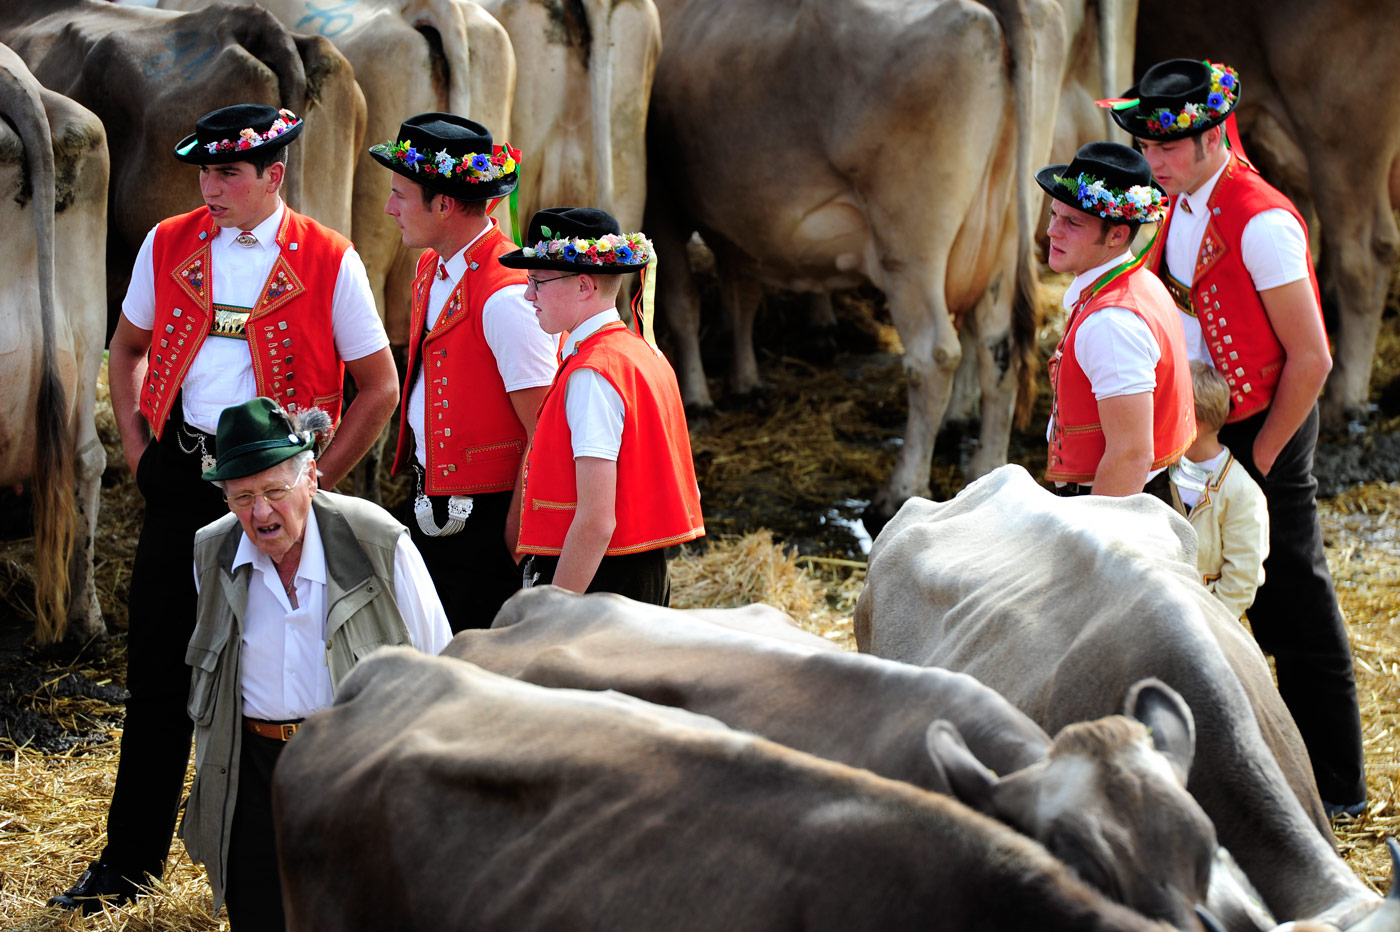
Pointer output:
640, 576
472, 570
155, 748
253, 893
1159, 486
1295, 615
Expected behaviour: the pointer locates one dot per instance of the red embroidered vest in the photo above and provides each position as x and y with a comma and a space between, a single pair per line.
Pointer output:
473, 438
1076, 438
658, 500
288, 330
1239, 337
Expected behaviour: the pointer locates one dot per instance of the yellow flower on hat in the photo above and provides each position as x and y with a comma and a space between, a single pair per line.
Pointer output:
509, 166
1183, 120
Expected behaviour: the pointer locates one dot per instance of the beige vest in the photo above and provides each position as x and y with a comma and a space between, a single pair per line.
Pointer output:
360, 540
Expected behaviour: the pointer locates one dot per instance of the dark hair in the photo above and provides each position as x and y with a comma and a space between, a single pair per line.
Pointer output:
1107, 225
428, 195
262, 163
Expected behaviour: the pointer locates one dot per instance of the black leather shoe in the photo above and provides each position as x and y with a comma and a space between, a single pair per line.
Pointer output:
100, 882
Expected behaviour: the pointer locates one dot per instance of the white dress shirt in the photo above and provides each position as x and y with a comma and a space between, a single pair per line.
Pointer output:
1113, 346
592, 406
1273, 247
525, 354
221, 373
283, 662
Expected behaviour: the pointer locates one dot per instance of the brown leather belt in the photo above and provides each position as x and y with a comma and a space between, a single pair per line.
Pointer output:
281, 732
1180, 293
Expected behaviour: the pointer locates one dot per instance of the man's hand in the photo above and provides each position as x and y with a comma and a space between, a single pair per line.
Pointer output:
1294, 316
377, 392
126, 370
1127, 455
594, 521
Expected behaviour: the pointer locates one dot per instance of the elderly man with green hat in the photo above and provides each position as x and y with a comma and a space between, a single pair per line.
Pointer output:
240, 297
295, 586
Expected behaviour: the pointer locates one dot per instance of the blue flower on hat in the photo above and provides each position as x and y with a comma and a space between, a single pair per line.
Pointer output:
1166, 118
570, 252
1216, 101
623, 253
412, 157
481, 163
1227, 79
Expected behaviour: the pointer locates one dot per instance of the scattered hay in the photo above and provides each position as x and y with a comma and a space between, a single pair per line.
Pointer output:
819, 594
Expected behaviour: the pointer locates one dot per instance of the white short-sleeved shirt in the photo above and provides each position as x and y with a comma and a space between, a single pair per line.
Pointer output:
283, 672
1273, 247
525, 354
1113, 346
592, 406
221, 374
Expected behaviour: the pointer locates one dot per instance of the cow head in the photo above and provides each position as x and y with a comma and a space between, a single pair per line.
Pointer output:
1108, 799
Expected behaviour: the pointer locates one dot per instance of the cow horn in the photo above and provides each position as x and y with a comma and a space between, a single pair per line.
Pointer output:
1386, 917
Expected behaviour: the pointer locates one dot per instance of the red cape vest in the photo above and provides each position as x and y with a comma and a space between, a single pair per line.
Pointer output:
289, 330
1076, 438
473, 438
658, 499
1239, 337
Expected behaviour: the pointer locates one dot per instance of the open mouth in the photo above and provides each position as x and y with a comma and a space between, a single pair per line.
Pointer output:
268, 530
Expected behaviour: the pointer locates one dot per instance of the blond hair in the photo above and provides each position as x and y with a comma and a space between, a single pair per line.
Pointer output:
1212, 396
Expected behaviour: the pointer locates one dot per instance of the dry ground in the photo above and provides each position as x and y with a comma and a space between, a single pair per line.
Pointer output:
819, 441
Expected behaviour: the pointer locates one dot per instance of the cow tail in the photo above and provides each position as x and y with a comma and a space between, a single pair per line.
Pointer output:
1025, 306
450, 50
55, 510
600, 88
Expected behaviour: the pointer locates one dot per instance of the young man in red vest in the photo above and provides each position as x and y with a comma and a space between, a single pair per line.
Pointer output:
478, 364
1122, 405
239, 298
609, 479
1234, 253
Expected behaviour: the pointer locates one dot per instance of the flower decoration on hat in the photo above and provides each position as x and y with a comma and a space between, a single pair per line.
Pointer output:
608, 249
1224, 87
471, 167
1139, 204
249, 138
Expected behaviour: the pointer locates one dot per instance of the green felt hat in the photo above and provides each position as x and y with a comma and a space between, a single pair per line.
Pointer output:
254, 436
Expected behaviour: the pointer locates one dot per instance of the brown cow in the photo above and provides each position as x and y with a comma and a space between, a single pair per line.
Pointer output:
1061, 605
1097, 797
435, 795
150, 74
1320, 114
817, 147
53, 168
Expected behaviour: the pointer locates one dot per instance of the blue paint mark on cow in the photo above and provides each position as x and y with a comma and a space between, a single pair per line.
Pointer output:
334, 19
187, 51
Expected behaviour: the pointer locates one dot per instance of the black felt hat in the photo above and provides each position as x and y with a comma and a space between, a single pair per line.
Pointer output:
1108, 180
1178, 98
579, 239
449, 154
238, 133
254, 436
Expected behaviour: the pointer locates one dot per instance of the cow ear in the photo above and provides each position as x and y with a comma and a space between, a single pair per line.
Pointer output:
1168, 718
968, 779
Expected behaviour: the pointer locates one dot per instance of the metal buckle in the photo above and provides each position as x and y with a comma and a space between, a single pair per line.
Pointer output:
289, 730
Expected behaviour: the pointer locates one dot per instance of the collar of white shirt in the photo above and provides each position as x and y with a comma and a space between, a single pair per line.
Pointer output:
586, 329
266, 232
1085, 279
456, 266
312, 567
1198, 199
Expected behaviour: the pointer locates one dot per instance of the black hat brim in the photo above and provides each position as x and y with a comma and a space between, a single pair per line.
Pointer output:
518, 260
462, 191
198, 154
1131, 121
1046, 179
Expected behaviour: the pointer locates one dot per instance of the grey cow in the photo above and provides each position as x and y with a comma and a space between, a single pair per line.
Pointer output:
1061, 605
